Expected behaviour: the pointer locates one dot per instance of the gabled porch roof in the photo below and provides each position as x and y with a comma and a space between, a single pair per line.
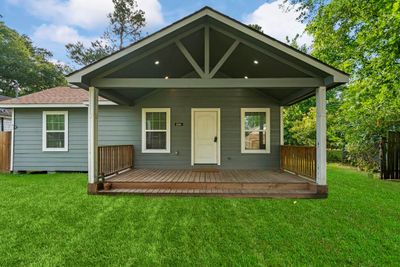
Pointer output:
208, 50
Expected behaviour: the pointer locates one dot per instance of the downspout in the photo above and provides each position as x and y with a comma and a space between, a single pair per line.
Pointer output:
12, 140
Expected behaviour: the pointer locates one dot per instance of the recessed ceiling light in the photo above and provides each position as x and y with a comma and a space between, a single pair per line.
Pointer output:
255, 62
246, 77
166, 77
156, 62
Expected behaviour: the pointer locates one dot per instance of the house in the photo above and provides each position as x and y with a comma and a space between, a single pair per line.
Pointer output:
193, 108
5, 117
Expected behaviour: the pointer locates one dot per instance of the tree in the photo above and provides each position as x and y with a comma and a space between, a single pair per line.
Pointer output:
126, 23
256, 27
361, 38
23, 63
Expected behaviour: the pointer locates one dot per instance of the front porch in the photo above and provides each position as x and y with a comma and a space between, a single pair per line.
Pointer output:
211, 182
294, 179
241, 80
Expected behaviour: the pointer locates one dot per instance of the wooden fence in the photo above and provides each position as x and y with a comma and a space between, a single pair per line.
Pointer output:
390, 156
5, 151
113, 159
300, 160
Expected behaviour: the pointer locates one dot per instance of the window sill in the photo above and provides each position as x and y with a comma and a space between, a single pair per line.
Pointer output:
256, 152
156, 151
55, 150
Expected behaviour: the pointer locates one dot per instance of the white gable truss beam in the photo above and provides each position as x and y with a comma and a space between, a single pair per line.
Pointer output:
189, 58
224, 58
266, 52
76, 78
186, 83
149, 52
207, 73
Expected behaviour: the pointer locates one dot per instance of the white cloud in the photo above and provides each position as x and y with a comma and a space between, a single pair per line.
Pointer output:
277, 23
87, 14
57, 62
59, 34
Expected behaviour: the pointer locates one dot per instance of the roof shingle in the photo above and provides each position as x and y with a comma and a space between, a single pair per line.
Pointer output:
56, 95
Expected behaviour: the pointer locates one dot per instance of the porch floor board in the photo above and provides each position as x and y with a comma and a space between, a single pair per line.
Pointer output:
195, 176
228, 183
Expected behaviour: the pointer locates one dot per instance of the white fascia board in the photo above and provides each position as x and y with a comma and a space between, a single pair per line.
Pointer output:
77, 77
276, 44
42, 105
82, 105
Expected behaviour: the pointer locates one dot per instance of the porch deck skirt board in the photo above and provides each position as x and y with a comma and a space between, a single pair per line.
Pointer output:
233, 183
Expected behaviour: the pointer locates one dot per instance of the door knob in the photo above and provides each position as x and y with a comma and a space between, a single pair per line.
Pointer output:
215, 139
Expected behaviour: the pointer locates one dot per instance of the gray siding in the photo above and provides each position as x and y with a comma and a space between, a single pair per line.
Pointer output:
115, 125
230, 101
122, 125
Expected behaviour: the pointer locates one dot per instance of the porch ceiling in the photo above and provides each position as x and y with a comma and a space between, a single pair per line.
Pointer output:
208, 50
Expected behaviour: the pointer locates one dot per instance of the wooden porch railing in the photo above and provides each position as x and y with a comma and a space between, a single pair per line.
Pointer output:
113, 159
300, 160
5, 151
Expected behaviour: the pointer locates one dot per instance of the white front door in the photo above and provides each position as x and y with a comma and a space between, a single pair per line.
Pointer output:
205, 136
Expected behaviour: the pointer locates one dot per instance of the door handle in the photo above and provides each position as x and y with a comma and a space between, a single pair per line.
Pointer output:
215, 139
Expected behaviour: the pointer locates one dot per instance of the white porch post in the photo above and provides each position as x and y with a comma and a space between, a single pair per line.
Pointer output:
281, 122
321, 138
92, 139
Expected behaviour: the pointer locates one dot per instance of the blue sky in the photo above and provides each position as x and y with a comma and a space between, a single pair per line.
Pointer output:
53, 23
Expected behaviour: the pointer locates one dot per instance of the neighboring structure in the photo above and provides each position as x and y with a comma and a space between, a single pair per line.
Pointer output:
5, 117
62, 145
206, 91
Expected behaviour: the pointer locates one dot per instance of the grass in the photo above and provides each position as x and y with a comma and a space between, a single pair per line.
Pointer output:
49, 220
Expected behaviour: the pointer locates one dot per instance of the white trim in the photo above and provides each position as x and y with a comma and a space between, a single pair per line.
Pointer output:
102, 103
45, 131
76, 78
42, 105
218, 110
93, 135
321, 135
167, 130
82, 105
282, 128
267, 149
12, 140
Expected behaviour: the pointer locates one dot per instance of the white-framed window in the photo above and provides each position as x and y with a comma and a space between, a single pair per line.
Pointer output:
255, 130
55, 131
156, 130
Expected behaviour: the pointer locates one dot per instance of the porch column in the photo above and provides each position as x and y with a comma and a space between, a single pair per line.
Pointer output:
281, 124
92, 140
321, 140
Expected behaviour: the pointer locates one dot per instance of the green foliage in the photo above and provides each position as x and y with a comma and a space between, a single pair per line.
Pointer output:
256, 27
126, 23
21, 61
334, 155
83, 56
361, 38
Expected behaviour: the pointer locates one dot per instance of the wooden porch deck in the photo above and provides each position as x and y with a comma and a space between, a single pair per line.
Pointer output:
209, 182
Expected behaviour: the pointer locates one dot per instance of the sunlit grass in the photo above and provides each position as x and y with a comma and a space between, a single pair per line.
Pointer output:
49, 220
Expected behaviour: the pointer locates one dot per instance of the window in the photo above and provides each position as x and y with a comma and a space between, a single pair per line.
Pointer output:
55, 131
255, 130
156, 130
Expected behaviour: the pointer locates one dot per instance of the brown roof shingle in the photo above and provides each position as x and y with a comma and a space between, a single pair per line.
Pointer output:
56, 95
3, 97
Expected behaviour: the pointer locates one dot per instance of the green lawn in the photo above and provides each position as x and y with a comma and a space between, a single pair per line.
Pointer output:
49, 220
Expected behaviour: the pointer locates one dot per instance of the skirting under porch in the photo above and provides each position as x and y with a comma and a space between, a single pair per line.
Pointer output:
212, 182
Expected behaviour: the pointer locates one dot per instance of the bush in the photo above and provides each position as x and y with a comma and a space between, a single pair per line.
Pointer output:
335, 155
